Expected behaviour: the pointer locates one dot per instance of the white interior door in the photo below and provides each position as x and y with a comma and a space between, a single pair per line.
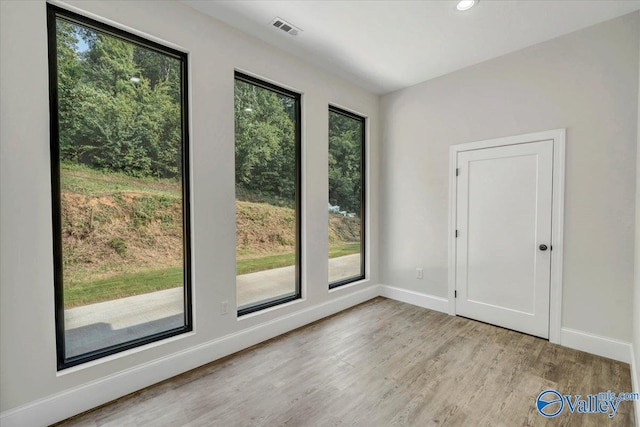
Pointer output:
503, 248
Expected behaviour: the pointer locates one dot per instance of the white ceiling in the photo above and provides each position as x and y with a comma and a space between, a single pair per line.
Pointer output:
383, 46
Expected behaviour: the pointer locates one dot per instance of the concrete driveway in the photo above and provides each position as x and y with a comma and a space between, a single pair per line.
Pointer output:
96, 326
254, 287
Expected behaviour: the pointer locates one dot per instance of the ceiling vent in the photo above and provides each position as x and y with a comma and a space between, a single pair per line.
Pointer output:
285, 26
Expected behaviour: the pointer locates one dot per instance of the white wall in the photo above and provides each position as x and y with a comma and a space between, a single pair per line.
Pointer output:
636, 299
27, 346
586, 82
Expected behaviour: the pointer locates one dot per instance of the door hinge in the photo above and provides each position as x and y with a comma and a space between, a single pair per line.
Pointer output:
457, 171
455, 294
456, 234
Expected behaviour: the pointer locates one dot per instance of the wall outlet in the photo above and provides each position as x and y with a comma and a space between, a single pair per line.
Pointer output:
224, 307
419, 273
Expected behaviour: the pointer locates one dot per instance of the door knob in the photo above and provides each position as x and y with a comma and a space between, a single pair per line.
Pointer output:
543, 247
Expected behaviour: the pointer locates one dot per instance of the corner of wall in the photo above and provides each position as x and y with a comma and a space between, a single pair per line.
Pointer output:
635, 345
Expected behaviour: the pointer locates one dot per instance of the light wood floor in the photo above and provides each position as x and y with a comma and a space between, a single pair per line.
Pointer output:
382, 363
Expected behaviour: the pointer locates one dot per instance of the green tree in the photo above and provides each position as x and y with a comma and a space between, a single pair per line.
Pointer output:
265, 141
115, 113
159, 69
69, 73
108, 63
345, 166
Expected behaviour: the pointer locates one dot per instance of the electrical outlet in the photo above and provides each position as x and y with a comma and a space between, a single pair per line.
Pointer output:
224, 307
419, 273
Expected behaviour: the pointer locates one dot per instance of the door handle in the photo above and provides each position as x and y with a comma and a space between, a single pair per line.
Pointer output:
543, 247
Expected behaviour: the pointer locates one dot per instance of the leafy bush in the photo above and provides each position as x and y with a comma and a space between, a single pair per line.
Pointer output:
119, 245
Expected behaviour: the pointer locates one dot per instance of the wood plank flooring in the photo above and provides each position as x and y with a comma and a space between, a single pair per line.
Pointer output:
382, 363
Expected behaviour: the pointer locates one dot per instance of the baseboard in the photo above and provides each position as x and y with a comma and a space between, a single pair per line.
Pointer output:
578, 340
63, 405
635, 382
77, 400
595, 344
415, 298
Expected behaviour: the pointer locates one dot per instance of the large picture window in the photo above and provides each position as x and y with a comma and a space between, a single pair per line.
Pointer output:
346, 197
267, 173
120, 188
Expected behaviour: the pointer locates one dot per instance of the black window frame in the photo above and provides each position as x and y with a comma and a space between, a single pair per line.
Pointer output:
238, 75
363, 197
53, 14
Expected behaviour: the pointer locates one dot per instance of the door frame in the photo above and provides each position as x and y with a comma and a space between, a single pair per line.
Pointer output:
558, 136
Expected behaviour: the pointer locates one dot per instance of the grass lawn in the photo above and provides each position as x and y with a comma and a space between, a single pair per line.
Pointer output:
83, 180
245, 266
121, 286
156, 280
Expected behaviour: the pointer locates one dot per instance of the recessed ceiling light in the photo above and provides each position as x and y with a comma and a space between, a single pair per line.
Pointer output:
466, 4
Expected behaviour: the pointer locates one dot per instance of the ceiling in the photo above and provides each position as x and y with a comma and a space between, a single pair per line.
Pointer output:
384, 46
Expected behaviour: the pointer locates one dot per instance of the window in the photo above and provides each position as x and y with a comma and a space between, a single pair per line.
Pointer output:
346, 197
120, 188
267, 173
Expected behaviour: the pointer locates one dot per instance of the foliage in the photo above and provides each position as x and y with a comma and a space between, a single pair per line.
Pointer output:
266, 151
120, 139
265, 141
119, 110
119, 245
345, 155
118, 104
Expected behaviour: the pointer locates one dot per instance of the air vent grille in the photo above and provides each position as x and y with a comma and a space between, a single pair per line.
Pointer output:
285, 26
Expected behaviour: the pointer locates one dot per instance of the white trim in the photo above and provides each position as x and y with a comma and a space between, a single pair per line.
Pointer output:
635, 385
347, 286
122, 354
349, 110
71, 402
596, 344
511, 140
68, 403
557, 236
453, 208
415, 298
273, 82
559, 140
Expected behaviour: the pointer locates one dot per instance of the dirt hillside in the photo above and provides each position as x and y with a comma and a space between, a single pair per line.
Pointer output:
112, 224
